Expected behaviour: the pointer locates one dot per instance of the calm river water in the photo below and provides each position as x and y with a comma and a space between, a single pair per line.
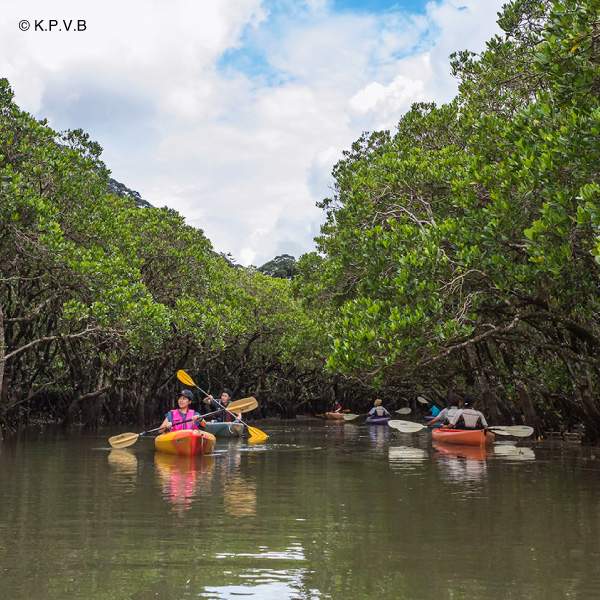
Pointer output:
320, 511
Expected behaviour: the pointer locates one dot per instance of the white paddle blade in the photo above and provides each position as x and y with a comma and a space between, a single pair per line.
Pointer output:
514, 430
404, 411
406, 426
519, 430
422, 400
499, 431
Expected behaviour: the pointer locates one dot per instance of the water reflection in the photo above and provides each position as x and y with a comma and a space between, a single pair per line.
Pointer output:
406, 456
512, 452
274, 575
462, 463
379, 434
124, 466
183, 478
239, 497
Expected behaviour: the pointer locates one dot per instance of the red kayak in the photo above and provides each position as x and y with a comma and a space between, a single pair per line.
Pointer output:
466, 437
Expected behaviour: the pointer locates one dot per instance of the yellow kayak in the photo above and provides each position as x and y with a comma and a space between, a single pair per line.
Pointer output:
187, 442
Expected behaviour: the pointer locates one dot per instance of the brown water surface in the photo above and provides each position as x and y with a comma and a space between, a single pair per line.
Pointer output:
322, 510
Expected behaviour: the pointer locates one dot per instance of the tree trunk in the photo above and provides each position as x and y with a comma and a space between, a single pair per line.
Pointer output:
490, 400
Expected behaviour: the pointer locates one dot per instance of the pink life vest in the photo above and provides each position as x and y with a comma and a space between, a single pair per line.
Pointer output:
178, 418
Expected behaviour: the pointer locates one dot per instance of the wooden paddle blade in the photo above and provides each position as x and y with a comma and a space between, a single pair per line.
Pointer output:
404, 411
123, 440
185, 378
256, 435
350, 417
243, 405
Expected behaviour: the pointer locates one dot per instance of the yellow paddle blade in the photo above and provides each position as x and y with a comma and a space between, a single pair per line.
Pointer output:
185, 378
123, 440
256, 435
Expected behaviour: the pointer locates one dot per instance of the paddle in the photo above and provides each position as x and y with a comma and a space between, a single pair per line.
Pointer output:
400, 411
514, 430
346, 410
123, 440
255, 434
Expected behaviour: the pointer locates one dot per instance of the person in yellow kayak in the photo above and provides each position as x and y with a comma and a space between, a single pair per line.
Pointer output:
223, 416
174, 419
378, 410
468, 417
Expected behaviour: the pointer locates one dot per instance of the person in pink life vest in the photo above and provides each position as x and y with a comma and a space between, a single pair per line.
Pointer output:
174, 419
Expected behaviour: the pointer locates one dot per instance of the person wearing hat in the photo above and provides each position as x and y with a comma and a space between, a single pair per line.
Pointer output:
174, 419
223, 416
378, 410
468, 417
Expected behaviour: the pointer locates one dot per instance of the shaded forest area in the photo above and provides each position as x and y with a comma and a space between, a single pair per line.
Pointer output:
460, 253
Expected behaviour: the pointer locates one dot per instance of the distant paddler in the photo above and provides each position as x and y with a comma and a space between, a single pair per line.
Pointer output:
378, 410
223, 416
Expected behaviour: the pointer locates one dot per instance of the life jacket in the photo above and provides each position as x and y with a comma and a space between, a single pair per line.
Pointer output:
450, 414
178, 418
223, 416
380, 411
469, 418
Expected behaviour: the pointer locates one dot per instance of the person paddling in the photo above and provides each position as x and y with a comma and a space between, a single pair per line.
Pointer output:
378, 410
336, 407
223, 416
468, 417
174, 418
446, 414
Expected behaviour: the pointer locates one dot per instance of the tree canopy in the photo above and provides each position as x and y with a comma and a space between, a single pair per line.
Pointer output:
460, 252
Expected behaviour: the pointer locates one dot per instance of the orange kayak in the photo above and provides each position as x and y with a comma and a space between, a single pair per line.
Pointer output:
334, 416
188, 442
467, 437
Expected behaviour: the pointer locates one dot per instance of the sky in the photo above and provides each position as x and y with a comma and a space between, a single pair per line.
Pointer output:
234, 112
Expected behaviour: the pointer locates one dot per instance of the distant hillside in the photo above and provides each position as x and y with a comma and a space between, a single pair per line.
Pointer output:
123, 191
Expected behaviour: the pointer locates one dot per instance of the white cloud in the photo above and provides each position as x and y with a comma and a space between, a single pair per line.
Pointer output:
234, 112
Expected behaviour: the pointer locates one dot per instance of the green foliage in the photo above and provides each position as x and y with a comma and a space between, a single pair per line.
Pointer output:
475, 226
104, 301
282, 267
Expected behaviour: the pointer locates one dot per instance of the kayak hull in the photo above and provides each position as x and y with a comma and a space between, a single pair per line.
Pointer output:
226, 429
189, 442
334, 416
377, 420
465, 437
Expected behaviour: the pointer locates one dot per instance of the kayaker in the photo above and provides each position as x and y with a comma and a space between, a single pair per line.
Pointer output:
378, 410
445, 415
336, 407
173, 419
468, 417
223, 416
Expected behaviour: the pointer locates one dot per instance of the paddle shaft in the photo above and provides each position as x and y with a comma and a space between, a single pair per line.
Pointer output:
210, 414
224, 408
186, 421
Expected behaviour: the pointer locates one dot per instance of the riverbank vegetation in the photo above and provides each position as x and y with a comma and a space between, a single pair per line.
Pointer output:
460, 253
